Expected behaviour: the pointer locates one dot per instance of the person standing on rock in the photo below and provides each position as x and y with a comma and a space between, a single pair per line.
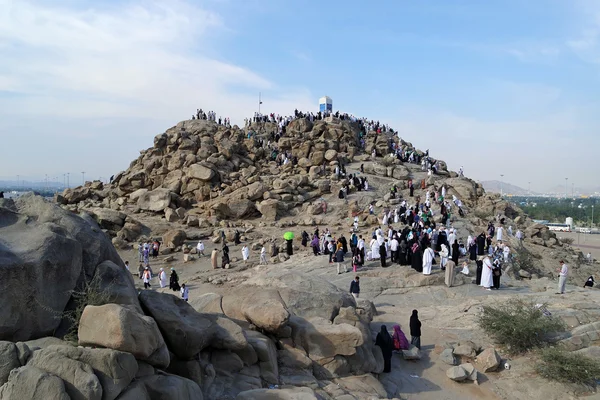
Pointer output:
385, 342
162, 278
289, 247
415, 330
563, 272
214, 259
200, 248
146, 277
481, 244
236, 237
185, 292
500, 233
245, 253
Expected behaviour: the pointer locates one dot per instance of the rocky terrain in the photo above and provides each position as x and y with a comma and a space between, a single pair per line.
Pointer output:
287, 330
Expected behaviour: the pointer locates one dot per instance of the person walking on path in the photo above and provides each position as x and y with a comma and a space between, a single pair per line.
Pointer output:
162, 278
355, 287
385, 342
563, 272
174, 281
185, 293
146, 277
200, 248
415, 330
245, 253
263, 255
214, 259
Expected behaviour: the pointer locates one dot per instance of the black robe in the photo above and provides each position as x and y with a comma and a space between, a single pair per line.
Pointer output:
290, 248
385, 342
473, 252
417, 260
479, 270
382, 254
455, 253
480, 245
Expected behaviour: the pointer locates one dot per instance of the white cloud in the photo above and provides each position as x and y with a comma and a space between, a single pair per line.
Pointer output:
134, 60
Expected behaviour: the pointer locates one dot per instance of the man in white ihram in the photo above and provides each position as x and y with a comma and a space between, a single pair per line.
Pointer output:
562, 277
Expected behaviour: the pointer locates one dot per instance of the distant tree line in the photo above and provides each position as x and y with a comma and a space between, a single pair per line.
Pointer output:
558, 209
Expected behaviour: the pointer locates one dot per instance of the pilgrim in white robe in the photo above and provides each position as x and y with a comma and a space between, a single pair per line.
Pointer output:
245, 253
487, 280
162, 277
428, 256
374, 249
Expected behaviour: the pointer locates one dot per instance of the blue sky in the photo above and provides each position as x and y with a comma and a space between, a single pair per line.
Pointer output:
501, 87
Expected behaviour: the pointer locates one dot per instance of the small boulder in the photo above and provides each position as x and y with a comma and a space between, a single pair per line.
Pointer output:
457, 374
465, 349
488, 360
447, 356
412, 353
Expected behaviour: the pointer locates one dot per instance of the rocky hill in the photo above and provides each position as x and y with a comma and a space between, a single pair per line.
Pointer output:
287, 325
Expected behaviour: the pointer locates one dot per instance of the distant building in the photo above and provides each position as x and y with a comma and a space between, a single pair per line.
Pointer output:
325, 104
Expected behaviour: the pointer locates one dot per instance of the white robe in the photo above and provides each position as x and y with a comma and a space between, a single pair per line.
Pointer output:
245, 253
162, 277
487, 280
384, 221
499, 233
374, 249
428, 256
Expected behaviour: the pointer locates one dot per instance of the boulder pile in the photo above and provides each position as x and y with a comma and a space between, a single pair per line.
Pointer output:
281, 329
199, 170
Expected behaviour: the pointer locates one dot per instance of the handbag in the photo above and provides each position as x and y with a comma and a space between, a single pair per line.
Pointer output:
497, 272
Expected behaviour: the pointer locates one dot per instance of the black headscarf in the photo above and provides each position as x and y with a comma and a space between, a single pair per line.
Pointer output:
384, 340
415, 324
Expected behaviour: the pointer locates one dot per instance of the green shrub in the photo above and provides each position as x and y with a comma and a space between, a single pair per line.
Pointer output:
519, 325
562, 366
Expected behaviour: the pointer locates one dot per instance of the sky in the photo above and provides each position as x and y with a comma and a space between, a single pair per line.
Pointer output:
500, 87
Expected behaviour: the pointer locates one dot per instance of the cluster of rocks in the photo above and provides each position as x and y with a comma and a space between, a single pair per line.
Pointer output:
280, 329
467, 361
199, 169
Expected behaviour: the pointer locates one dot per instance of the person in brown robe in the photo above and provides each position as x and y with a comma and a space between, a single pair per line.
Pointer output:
449, 278
214, 259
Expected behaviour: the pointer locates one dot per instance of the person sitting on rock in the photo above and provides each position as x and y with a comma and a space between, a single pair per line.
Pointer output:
589, 283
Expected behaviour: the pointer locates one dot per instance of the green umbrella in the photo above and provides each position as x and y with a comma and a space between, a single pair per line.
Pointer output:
288, 235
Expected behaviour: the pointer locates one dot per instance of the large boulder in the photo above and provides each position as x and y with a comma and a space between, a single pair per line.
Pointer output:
108, 219
118, 328
200, 172
321, 339
186, 331
304, 295
154, 200
263, 308
117, 285
278, 394
269, 209
165, 386
33, 384
114, 369
266, 353
45, 253
174, 238
80, 381
9, 360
